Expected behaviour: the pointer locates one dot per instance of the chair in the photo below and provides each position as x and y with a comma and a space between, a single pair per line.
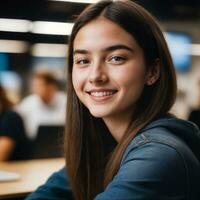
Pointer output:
48, 143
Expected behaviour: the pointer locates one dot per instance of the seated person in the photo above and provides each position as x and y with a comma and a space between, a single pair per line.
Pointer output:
45, 106
13, 142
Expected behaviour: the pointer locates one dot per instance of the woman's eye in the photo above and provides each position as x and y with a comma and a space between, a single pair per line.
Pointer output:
82, 61
117, 59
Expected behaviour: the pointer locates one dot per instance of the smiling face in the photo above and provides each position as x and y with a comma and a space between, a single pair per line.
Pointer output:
108, 69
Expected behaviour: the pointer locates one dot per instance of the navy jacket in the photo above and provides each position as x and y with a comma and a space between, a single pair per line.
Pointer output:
161, 163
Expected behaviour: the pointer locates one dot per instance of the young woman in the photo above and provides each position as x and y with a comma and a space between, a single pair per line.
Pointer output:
121, 82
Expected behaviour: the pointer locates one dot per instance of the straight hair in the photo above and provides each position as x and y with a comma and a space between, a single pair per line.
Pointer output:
88, 171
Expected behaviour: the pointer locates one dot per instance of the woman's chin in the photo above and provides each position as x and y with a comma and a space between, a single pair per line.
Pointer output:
99, 114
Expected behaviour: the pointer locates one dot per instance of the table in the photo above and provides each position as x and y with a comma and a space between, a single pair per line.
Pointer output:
33, 173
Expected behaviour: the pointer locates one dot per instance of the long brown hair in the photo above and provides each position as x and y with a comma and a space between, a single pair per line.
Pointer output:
84, 153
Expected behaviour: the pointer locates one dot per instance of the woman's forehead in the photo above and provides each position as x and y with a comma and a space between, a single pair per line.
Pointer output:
101, 33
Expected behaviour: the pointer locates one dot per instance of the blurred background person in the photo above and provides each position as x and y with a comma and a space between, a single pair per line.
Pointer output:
13, 142
194, 115
46, 106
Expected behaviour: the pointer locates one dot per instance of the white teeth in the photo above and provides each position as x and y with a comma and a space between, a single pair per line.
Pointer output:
101, 94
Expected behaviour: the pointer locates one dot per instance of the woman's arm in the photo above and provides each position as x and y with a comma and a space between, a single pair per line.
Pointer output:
7, 145
56, 188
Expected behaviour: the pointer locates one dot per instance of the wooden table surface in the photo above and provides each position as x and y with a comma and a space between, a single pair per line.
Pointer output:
33, 173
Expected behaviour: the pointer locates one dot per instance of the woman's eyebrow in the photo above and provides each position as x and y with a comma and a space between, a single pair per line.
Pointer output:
118, 46
80, 51
110, 48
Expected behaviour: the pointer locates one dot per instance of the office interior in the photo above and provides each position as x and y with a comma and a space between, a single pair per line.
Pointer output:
34, 35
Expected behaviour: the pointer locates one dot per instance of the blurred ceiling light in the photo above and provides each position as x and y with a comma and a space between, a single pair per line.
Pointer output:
195, 49
78, 1
15, 25
52, 28
13, 46
49, 50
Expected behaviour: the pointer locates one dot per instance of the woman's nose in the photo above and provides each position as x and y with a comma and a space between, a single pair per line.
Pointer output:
97, 74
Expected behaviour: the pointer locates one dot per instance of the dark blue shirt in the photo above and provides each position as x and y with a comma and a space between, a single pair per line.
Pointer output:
11, 126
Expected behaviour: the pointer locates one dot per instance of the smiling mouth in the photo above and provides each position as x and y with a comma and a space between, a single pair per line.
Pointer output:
101, 95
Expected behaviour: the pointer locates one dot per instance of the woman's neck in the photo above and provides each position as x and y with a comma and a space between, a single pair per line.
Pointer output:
117, 126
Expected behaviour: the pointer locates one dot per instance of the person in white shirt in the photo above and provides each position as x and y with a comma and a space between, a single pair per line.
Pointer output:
46, 106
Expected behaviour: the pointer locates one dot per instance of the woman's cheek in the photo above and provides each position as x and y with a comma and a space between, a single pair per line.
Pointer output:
78, 80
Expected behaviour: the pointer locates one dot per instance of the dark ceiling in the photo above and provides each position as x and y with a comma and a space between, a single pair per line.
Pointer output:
52, 10
65, 12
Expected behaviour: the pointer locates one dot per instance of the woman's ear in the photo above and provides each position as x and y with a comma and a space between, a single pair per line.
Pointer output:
153, 73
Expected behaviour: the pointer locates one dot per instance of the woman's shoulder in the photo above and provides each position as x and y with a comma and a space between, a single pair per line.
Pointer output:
153, 146
173, 135
170, 141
